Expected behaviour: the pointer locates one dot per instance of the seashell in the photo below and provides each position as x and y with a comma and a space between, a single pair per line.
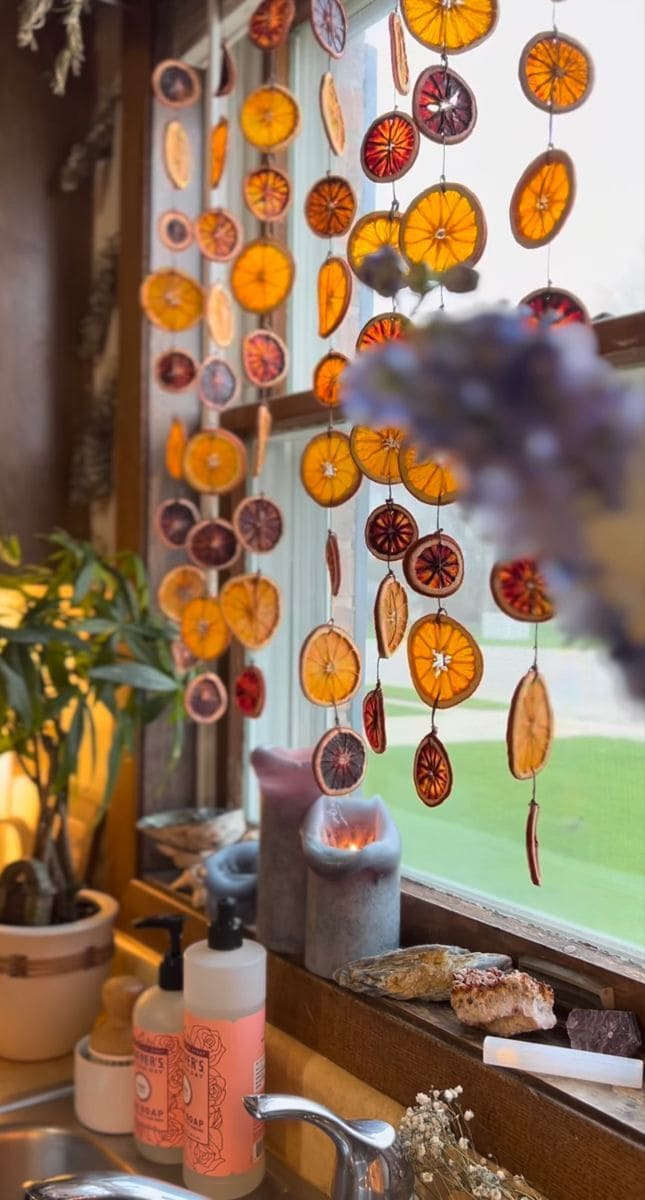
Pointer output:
417, 973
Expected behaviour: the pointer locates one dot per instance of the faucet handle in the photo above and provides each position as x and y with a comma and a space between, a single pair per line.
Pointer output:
369, 1135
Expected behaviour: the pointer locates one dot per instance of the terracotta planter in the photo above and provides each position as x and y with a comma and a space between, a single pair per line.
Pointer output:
50, 982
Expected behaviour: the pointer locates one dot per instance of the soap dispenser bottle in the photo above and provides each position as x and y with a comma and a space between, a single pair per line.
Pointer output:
224, 999
158, 1022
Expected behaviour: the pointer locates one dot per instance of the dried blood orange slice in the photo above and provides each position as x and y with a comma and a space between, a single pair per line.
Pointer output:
328, 471
175, 370
267, 193
374, 720
262, 275
227, 72
217, 383
390, 147
174, 520
175, 230
390, 531
339, 761
251, 609
217, 234
556, 73
175, 84
529, 732
258, 524
431, 771
203, 628
542, 199
532, 843
249, 691
330, 206
332, 561
178, 588
330, 666
398, 55
327, 376
443, 106
334, 294
177, 155
555, 308
446, 664
329, 25
220, 316
386, 327
449, 27
270, 24
390, 615
172, 300
371, 233
265, 358
376, 452
443, 226
214, 461
520, 590
175, 448
434, 566
205, 699
331, 114
270, 118
219, 150
212, 544
429, 480
263, 425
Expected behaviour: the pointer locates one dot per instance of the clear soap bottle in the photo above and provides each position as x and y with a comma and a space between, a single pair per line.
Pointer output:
158, 1033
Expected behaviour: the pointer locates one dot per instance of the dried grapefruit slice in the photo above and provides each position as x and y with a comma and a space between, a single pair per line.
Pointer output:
390, 615
431, 771
434, 566
386, 327
217, 234
330, 206
175, 230
217, 383
449, 27
390, 531
556, 73
376, 452
205, 699
214, 461
327, 376
258, 524
332, 561
249, 691
520, 590
371, 233
219, 150
175, 448
331, 114
178, 588
270, 118
220, 316
227, 72
374, 720
443, 226
330, 666
390, 147
398, 55
251, 609
270, 23
212, 544
265, 358
555, 308
177, 155
334, 294
328, 471
429, 480
174, 520
339, 761
443, 106
542, 199
329, 26
445, 661
263, 425
172, 300
203, 629
529, 733
175, 84
267, 193
262, 275
175, 370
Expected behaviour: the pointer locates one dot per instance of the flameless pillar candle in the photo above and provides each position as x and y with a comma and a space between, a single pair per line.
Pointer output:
539, 1059
353, 853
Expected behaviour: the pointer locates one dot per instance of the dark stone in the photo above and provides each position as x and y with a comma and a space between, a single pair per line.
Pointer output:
604, 1030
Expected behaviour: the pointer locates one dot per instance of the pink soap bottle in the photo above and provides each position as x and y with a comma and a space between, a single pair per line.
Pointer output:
158, 1027
224, 1001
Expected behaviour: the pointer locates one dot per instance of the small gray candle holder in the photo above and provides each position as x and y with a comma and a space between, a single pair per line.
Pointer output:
233, 871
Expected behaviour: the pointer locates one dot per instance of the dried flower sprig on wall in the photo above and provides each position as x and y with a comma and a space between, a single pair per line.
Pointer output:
32, 18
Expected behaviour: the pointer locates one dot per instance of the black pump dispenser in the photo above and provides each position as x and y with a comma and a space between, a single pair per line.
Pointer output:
225, 932
171, 970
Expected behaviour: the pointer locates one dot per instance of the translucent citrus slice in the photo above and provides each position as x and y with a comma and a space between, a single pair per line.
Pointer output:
543, 199
175, 84
267, 193
176, 442
431, 481
265, 358
263, 426
390, 531
556, 73
249, 691
555, 307
327, 469
445, 661
374, 720
270, 118
329, 25
431, 771
443, 226
390, 147
178, 588
330, 666
251, 608
177, 154
332, 562
390, 616
371, 233
330, 206
443, 106
532, 843
258, 524
331, 114
398, 55
449, 27
529, 733
174, 520
213, 544
270, 24
376, 452
218, 234
227, 77
339, 761
434, 566
175, 370
327, 376
172, 300
334, 293
217, 383
386, 327
520, 590
220, 316
214, 461
175, 230
219, 150
205, 699
203, 629
262, 275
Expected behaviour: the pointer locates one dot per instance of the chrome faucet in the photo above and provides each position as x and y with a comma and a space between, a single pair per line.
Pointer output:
106, 1185
370, 1164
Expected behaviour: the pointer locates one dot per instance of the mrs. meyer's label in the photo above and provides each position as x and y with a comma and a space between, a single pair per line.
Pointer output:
223, 1061
158, 1080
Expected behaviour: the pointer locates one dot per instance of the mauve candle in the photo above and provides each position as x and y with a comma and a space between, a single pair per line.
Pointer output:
353, 853
287, 790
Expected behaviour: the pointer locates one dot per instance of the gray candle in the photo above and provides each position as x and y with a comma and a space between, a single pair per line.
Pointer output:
287, 791
353, 853
233, 871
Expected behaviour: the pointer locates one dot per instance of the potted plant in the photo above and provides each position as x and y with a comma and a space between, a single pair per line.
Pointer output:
84, 636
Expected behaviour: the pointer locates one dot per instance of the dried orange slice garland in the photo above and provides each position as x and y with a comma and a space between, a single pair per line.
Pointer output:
390, 147
178, 588
174, 520
175, 84
398, 55
218, 234
270, 23
214, 461
371, 233
556, 307
390, 616
443, 106
390, 531
265, 358
203, 629
332, 562
328, 470
263, 425
219, 150
519, 589
430, 481
251, 608
270, 118
330, 206
434, 566
542, 199
529, 733
431, 771
175, 448
443, 227
262, 276
330, 667
172, 300
249, 691
329, 26
556, 73
339, 761
206, 698
446, 664
177, 155
374, 720
217, 383
213, 544
450, 28
258, 524
267, 193
386, 327
227, 72
175, 370
332, 114
376, 452
334, 294
175, 230
220, 316
327, 379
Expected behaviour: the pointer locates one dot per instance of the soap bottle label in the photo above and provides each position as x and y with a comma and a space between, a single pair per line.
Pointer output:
158, 1082
224, 1061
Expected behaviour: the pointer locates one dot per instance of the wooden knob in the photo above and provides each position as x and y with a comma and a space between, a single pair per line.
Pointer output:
112, 1033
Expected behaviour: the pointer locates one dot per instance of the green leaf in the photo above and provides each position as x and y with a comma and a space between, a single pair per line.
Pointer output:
136, 675
28, 635
10, 550
84, 580
16, 691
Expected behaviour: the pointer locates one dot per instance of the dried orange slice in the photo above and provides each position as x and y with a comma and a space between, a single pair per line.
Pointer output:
532, 843
431, 481
556, 73
431, 771
390, 615
330, 666
542, 199
263, 426
214, 461
555, 308
334, 293
339, 761
203, 629
174, 520
331, 114
398, 55
270, 118
219, 150
434, 566
376, 452
251, 609
520, 590
218, 234
262, 275
220, 316
175, 370
446, 664
443, 226
172, 300
374, 720
258, 524
390, 531
267, 193
449, 27
329, 26
217, 383
371, 233
327, 469
332, 562
180, 587
529, 732
176, 442
326, 380
386, 327
249, 691
390, 147
175, 84
265, 358
206, 699
443, 106
177, 154
175, 230
270, 24
227, 72
213, 544
330, 206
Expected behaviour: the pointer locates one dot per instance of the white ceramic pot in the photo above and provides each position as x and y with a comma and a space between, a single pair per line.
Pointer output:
46, 1005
